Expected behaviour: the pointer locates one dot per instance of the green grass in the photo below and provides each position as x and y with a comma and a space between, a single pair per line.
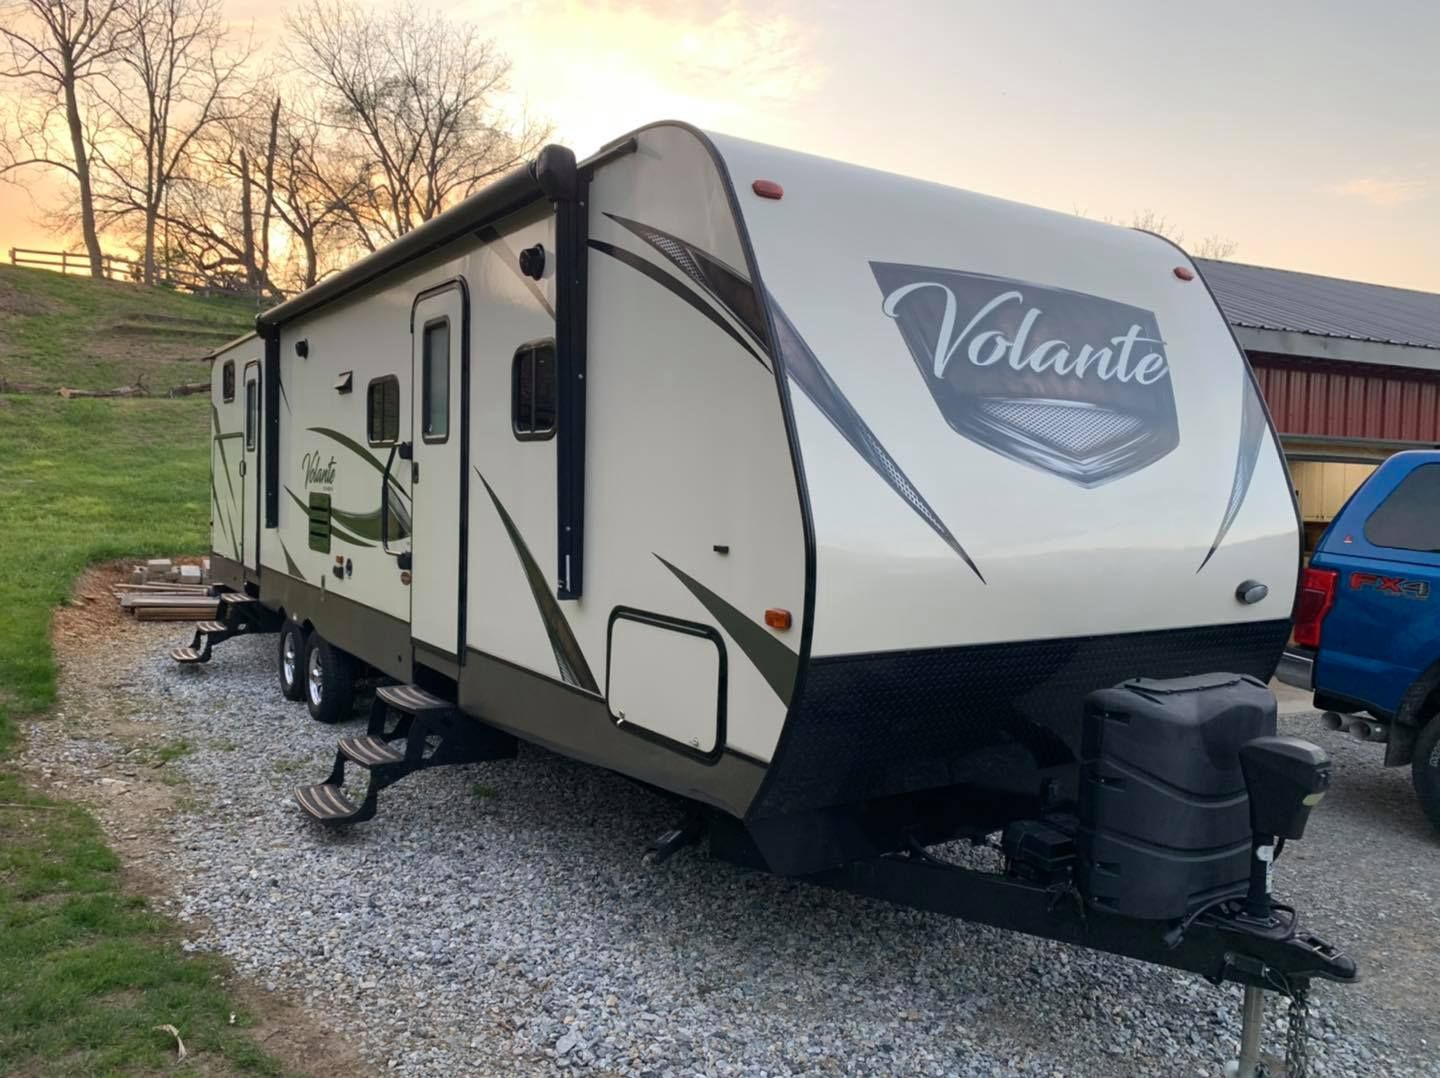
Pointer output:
89, 334
86, 970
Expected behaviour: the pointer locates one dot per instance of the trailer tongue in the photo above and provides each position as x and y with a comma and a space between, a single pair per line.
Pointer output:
1185, 799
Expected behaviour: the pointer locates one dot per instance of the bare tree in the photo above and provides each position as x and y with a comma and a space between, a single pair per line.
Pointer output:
54, 48
177, 76
414, 102
310, 191
1212, 246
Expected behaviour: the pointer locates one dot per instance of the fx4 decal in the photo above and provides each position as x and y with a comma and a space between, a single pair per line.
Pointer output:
1390, 585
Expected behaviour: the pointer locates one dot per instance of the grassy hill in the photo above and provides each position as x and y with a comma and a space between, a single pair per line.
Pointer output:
74, 331
86, 970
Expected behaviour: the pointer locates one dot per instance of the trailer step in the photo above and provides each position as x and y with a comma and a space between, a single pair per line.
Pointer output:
368, 751
239, 615
326, 803
411, 699
427, 732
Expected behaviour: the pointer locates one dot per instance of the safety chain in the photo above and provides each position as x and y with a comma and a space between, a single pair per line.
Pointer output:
1297, 1036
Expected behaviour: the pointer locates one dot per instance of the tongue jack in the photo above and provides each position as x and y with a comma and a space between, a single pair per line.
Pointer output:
1285, 777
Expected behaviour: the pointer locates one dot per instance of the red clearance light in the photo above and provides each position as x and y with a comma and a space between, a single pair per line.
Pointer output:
1185, 273
1317, 596
777, 619
768, 189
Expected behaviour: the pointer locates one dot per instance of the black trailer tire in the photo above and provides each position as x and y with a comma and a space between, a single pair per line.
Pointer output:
329, 681
1425, 770
290, 661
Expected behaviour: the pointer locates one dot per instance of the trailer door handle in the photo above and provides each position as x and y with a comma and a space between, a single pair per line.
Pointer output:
414, 472
242, 469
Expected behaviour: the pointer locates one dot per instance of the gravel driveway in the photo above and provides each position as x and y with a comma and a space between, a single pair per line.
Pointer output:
496, 918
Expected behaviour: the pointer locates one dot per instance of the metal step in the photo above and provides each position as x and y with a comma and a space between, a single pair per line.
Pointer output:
213, 627
189, 655
411, 699
326, 803
371, 751
236, 597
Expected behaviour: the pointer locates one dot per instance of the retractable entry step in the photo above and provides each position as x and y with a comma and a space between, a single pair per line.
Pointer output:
239, 615
409, 730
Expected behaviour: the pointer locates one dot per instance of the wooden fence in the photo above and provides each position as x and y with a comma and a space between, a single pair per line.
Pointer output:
121, 269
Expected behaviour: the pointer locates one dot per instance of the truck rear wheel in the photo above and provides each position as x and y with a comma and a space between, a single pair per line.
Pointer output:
329, 681
1425, 770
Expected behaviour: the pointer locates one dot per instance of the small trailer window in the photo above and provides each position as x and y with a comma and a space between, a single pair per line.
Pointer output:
1409, 519
382, 411
533, 391
252, 413
227, 381
435, 384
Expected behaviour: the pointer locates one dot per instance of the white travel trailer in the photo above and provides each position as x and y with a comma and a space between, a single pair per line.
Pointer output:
833, 503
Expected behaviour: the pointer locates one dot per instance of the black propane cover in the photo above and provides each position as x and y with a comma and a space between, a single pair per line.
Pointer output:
1164, 817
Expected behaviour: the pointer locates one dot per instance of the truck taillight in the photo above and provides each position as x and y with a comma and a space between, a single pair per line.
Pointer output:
1317, 596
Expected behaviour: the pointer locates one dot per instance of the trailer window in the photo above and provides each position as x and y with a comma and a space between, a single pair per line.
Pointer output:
533, 391
435, 382
1409, 519
382, 411
227, 381
252, 413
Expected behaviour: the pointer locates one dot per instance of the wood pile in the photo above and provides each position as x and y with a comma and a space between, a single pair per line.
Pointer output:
160, 590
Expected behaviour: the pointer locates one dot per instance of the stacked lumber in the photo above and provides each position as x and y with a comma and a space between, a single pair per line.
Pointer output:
160, 590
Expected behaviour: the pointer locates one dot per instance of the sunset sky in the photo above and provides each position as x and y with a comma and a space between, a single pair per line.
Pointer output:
1308, 133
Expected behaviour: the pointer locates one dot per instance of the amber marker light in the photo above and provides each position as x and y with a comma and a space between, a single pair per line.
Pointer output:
777, 618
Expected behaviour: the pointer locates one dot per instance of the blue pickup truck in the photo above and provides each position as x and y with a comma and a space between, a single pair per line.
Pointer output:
1367, 623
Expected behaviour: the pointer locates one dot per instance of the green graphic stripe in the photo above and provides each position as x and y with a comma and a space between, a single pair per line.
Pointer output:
336, 529
224, 521
360, 451
290, 566
224, 460
568, 656
777, 663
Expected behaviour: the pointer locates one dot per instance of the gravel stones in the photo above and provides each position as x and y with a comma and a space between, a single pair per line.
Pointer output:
497, 919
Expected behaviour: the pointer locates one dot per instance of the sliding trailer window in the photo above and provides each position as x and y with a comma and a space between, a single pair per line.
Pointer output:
252, 413
382, 411
227, 381
435, 381
533, 391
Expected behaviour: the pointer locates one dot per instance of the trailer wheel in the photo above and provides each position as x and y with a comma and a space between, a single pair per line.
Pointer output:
1425, 770
329, 681
290, 659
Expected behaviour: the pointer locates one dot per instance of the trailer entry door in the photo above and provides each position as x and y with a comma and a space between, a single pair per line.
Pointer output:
438, 335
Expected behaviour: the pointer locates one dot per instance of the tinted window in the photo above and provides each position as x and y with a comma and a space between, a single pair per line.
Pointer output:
227, 381
435, 389
252, 413
533, 390
382, 411
1409, 519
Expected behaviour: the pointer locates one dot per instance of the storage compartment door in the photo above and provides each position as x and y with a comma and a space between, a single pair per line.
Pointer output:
667, 681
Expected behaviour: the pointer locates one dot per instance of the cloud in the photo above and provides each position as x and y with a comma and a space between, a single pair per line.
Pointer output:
1380, 192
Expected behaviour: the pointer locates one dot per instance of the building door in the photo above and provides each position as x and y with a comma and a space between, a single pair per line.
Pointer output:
438, 352
249, 536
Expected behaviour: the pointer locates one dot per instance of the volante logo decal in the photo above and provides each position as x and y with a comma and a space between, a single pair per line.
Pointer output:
319, 472
1397, 586
1067, 382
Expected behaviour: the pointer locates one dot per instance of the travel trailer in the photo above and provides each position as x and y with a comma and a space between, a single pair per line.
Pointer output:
857, 513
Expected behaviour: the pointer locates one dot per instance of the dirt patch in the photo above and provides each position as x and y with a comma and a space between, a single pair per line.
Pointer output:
15, 302
121, 770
